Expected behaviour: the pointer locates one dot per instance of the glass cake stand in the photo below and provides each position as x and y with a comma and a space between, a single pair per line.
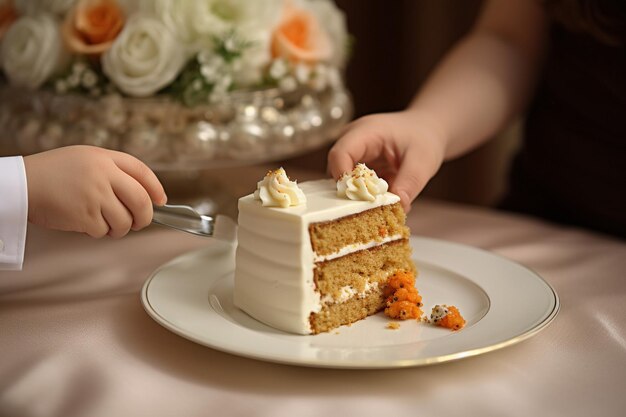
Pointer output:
193, 150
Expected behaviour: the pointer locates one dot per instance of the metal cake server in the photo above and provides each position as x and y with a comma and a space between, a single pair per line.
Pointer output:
188, 220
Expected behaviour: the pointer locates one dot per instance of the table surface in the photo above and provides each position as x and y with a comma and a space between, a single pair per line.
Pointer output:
75, 340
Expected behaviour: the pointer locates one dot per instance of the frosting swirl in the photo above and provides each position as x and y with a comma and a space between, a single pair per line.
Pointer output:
276, 190
361, 184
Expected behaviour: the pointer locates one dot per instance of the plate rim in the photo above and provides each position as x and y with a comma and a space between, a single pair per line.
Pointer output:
368, 365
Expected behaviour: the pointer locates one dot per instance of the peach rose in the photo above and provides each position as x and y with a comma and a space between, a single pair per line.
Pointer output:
92, 26
300, 38
8, 15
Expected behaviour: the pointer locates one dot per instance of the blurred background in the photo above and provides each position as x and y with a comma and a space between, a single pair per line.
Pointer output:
395, 49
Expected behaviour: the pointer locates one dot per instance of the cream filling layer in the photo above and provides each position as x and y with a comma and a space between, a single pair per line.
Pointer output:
348, 292
346, 250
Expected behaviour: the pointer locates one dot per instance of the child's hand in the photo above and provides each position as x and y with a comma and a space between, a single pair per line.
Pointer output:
405, 148
91, 190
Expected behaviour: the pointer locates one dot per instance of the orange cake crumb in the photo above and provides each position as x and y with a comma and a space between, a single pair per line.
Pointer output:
448, 317
399, 280
407, 294
402, 299
393, 325
403, 310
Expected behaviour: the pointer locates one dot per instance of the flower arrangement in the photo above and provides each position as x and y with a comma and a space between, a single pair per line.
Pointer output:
196, 51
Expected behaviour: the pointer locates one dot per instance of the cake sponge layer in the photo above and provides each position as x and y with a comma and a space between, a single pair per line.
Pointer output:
361, 268
355, 309
371, 225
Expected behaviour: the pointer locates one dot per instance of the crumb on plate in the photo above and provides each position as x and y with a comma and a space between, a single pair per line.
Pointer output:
403, 302
393, 325
447, 316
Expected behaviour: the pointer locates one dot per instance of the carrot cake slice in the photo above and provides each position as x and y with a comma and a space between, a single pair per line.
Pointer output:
317, 255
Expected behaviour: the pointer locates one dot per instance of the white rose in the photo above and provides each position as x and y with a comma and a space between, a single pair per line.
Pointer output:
32, 50
144, 58
33, 7
174, 14
333, 20
255, 58
248, 17
196, 22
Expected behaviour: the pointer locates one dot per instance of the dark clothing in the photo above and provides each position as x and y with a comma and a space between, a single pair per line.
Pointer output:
572, 165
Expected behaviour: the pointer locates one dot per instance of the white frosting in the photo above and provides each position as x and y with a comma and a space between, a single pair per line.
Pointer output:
361, 184
275, 260
345, 293
355, 248
278, 191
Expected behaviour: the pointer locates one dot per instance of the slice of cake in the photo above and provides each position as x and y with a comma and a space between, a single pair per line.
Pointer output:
317, 255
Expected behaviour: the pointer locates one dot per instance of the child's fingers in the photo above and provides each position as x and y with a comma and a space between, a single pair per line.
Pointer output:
97, 228
142, 174
134, 197
340, 160
410, 179
359, 144
117, 217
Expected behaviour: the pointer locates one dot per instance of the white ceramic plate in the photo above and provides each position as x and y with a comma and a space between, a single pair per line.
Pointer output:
503, 303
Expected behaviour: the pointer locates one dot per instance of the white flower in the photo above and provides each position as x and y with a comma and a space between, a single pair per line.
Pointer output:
89, 79
333, 20
32, 50
204, 57
230, 44
79, 67
60, 86
278, 69
333, 77
34, 7
73, 80
253, 61
144, 58
209, 73
196, 22
320, 77
223, 84
302, 73
212, 66
287, 84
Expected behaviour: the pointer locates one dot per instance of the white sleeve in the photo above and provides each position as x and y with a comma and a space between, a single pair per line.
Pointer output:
13, 212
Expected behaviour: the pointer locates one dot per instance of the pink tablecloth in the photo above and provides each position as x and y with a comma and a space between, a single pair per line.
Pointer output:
75, 341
